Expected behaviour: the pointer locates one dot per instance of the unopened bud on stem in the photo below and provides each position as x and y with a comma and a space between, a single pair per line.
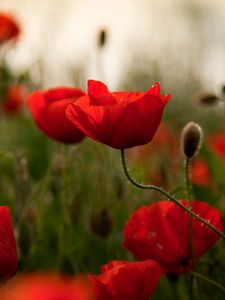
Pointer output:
191, 139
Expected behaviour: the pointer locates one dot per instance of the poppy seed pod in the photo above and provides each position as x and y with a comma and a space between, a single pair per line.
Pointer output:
191, 139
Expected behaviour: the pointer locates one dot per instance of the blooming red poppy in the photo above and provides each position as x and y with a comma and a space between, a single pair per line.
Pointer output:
14, 99
161, 231
119, 119
8, 28
48, 287
122, 280
48, 111
8, 253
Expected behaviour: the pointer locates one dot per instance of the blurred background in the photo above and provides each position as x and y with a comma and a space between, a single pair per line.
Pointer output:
176, 42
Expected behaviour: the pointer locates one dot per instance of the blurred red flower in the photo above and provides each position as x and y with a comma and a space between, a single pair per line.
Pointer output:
14, 99
200, 174
160, 231
122, 280
8, 252
158, 160
119, 119
48, 111
48, 287
216, 143
164, 141
8, 28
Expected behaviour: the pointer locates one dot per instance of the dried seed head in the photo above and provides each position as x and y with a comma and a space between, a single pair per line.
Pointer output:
102, 37
209, 100
191, 139
101, 223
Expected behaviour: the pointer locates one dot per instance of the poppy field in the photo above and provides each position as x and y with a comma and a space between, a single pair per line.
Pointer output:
109, 195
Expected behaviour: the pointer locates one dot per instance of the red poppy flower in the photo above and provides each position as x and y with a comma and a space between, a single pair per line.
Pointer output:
122, 280
8, 28
8, 253
160, 231
120, 119
14, 99
48, 287
48, 111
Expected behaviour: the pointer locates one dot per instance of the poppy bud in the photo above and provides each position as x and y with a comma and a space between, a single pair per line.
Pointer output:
101, 223
191, 139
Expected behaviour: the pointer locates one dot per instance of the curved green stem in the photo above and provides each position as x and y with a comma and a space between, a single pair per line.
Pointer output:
168, 195
208, 280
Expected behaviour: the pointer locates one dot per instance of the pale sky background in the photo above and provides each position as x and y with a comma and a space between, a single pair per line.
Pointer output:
185, 38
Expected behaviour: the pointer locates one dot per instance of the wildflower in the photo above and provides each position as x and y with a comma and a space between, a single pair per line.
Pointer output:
48, 287
119, 119
14, 99
161, 232
48, 111
8, 28
8, 252
121, 280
